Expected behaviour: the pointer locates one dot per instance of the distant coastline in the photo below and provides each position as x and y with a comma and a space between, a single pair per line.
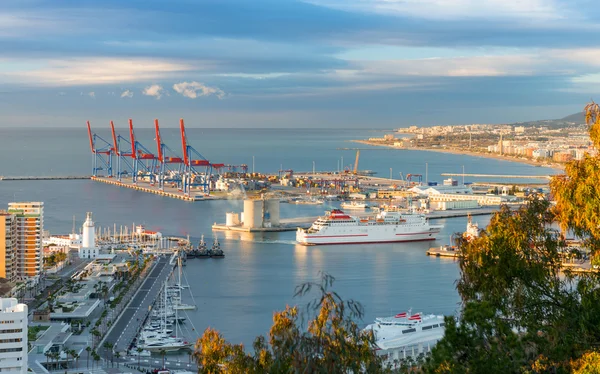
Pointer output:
467, 153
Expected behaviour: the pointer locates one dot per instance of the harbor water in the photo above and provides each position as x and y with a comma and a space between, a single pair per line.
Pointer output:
237, 295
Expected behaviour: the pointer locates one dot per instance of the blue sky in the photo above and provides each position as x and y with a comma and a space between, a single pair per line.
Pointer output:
289, 63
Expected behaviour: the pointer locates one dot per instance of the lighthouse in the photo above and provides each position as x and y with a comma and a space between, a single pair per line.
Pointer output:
88, 243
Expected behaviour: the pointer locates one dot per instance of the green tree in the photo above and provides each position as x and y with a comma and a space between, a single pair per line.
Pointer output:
522, 312
331, 341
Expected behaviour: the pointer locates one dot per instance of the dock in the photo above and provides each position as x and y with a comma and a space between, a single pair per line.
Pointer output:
46, 178
171, 192
292, 224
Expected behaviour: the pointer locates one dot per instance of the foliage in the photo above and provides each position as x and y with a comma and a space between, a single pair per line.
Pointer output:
331, 341
521, 312
55, 258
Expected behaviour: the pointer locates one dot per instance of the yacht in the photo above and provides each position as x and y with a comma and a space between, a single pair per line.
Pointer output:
406, 334
472, 231
354, 205
337, 227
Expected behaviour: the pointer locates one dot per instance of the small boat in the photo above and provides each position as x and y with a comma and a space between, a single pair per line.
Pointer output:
354, 205
202, 252
472, 231
142, 353
216, 251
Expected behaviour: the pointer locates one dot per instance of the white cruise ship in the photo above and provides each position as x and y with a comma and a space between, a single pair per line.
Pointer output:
336, 227
407, 334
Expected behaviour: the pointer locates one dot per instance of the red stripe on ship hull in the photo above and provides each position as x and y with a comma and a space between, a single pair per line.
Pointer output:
336, 236
386, 241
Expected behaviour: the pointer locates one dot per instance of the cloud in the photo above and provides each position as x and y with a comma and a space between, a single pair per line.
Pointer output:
127, 93
455, 9
87, 71
154, 90
196, 89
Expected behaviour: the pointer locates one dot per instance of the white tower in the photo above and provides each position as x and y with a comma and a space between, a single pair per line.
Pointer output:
89, 234
88, 243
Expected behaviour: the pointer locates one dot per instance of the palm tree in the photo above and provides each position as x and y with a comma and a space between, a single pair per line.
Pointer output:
163, 353
47, 354
139, 351
96, 358
96, 334
109, 346
118, 355
88, 350
56, 356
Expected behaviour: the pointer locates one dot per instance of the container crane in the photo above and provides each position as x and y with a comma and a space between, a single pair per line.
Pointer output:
102, 153
409, 178
193, 161
144, 161
166, 157
122, 157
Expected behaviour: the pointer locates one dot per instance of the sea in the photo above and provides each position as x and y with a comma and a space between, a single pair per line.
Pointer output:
239, 294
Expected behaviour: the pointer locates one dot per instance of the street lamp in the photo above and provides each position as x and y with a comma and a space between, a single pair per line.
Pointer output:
313, 168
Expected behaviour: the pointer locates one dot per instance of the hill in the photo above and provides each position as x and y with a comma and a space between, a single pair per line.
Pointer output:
573, 119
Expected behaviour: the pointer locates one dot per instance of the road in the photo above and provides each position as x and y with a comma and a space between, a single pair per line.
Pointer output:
127, 326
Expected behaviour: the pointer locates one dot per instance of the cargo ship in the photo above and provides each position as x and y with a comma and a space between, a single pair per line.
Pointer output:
337, 227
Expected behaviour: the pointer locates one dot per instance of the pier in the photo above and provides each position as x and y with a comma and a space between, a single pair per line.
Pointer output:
497, 176
45, 178
171, 192
292, 224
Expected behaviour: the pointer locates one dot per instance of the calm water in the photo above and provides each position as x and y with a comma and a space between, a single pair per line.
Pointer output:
238, 295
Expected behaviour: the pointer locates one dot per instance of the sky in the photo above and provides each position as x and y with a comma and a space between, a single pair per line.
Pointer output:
295, 63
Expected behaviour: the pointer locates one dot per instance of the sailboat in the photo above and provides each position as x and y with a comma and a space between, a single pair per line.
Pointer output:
161, 341
177, 304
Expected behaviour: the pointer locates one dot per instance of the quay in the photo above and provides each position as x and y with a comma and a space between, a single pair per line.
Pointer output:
497, 176
292, 224
171, 192
45, 178
126, 327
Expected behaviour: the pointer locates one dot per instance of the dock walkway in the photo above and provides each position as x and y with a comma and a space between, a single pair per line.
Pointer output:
45, 178
125, 329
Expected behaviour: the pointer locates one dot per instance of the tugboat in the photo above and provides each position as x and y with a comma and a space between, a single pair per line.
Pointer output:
202, 252
216, 251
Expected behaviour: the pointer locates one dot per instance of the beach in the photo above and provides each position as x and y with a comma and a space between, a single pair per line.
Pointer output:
495, 156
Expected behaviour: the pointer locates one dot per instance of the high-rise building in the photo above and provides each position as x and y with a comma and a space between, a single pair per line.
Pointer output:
29, 249
8, 243
13, 336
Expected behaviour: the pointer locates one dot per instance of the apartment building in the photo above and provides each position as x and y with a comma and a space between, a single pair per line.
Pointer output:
8, 243
13, 336
29, 248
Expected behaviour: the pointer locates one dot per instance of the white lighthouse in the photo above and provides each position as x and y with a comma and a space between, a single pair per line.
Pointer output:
88, 243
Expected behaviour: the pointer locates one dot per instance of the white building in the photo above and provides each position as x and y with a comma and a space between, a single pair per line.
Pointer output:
88, 247
13, 336
72, 240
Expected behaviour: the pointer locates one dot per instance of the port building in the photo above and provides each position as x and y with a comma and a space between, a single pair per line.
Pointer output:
13, 336
8, 243
29, 249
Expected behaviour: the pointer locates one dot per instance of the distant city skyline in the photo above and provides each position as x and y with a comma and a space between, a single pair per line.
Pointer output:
284, 63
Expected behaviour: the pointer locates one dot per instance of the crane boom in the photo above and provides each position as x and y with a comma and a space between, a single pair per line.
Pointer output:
158, 141
355, 171
114, 137
184, 143
91, 137
132, 137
